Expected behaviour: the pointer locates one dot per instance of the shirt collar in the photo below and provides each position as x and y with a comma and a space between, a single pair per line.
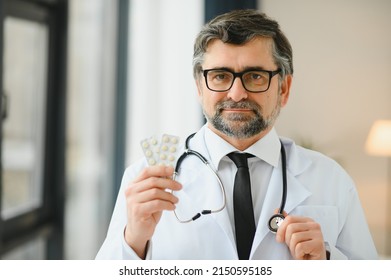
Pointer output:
267, 148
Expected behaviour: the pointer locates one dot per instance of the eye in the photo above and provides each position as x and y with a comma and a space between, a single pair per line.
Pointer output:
257, 77
219, 75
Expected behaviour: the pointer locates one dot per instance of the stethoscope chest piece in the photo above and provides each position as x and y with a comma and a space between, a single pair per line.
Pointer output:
275, 222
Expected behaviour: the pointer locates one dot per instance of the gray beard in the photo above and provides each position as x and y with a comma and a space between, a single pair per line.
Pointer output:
242, 126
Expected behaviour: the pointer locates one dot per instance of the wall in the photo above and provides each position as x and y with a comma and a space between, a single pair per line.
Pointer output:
162, 93
90, 111
342, 60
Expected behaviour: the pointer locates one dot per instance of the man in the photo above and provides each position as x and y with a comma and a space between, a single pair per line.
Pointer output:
243, 72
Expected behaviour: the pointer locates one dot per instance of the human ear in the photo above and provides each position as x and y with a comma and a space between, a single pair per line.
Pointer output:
285, 89
199, 88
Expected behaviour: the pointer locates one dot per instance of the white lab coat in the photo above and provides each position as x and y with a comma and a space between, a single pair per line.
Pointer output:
317, 187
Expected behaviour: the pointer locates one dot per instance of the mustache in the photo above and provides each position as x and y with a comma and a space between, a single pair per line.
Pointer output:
245, 104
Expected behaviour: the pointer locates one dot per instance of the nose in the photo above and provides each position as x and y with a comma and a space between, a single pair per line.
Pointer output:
237, 92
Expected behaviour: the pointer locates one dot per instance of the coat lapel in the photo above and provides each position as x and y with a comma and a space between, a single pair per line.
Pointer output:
296, 193
197, 179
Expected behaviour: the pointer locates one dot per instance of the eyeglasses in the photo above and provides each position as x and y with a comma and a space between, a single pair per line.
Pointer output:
255, 80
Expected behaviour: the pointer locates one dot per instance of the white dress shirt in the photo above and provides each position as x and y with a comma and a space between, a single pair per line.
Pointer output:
267, 156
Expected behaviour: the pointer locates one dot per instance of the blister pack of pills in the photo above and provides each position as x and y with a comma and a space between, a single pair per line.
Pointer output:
163, 151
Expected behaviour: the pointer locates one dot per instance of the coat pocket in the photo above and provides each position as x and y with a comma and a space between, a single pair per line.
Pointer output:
326, 216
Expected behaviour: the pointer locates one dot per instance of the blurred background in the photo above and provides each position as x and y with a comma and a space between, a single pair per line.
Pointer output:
83, 81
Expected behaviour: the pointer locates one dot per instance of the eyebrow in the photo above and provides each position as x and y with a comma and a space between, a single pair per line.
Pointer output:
248, 68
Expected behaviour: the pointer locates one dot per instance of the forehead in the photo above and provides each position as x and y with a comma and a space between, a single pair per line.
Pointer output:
255, 53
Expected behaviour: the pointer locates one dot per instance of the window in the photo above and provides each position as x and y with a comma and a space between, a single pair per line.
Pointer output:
25, 55
32, 148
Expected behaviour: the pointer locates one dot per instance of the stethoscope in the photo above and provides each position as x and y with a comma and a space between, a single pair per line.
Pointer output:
274, 221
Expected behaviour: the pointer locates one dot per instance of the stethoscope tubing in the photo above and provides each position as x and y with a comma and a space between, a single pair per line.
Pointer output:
205, 212
186, 153
284, 180
274, 220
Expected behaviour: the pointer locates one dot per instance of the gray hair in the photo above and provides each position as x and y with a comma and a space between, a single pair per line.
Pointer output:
239, 27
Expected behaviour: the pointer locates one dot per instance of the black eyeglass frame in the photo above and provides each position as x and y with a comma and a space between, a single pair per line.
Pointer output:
240, 75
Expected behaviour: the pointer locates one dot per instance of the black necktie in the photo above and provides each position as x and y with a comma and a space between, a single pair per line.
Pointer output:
243, 206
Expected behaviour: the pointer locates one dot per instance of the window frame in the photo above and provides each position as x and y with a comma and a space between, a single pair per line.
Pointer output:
45, 221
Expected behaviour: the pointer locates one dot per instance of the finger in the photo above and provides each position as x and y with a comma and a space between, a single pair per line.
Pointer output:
150, 201
154, 171
156, 194
281, 232
295, 239
161, 183
288, 221
146, 209
152, 182
277, 210
312, 249
293, 228
304, 238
